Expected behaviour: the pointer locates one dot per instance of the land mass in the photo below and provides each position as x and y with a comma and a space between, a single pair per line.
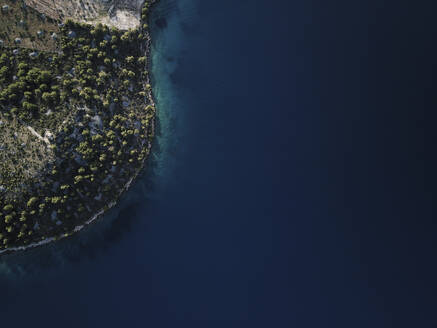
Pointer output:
76, 113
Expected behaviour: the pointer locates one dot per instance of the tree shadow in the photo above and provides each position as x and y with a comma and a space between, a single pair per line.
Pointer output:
98, 238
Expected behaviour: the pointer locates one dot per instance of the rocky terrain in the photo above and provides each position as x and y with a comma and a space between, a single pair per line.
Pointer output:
123, 14
76, 113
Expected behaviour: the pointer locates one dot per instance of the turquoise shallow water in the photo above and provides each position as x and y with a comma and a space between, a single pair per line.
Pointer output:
290, 183
199, 239
167, 45
171, 124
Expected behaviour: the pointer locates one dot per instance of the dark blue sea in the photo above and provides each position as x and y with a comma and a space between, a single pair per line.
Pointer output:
291, 182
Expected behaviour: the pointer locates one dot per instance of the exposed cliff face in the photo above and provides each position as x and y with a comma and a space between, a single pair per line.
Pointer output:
123, 14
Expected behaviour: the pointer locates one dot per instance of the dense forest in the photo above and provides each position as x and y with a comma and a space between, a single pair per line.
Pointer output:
76, 124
